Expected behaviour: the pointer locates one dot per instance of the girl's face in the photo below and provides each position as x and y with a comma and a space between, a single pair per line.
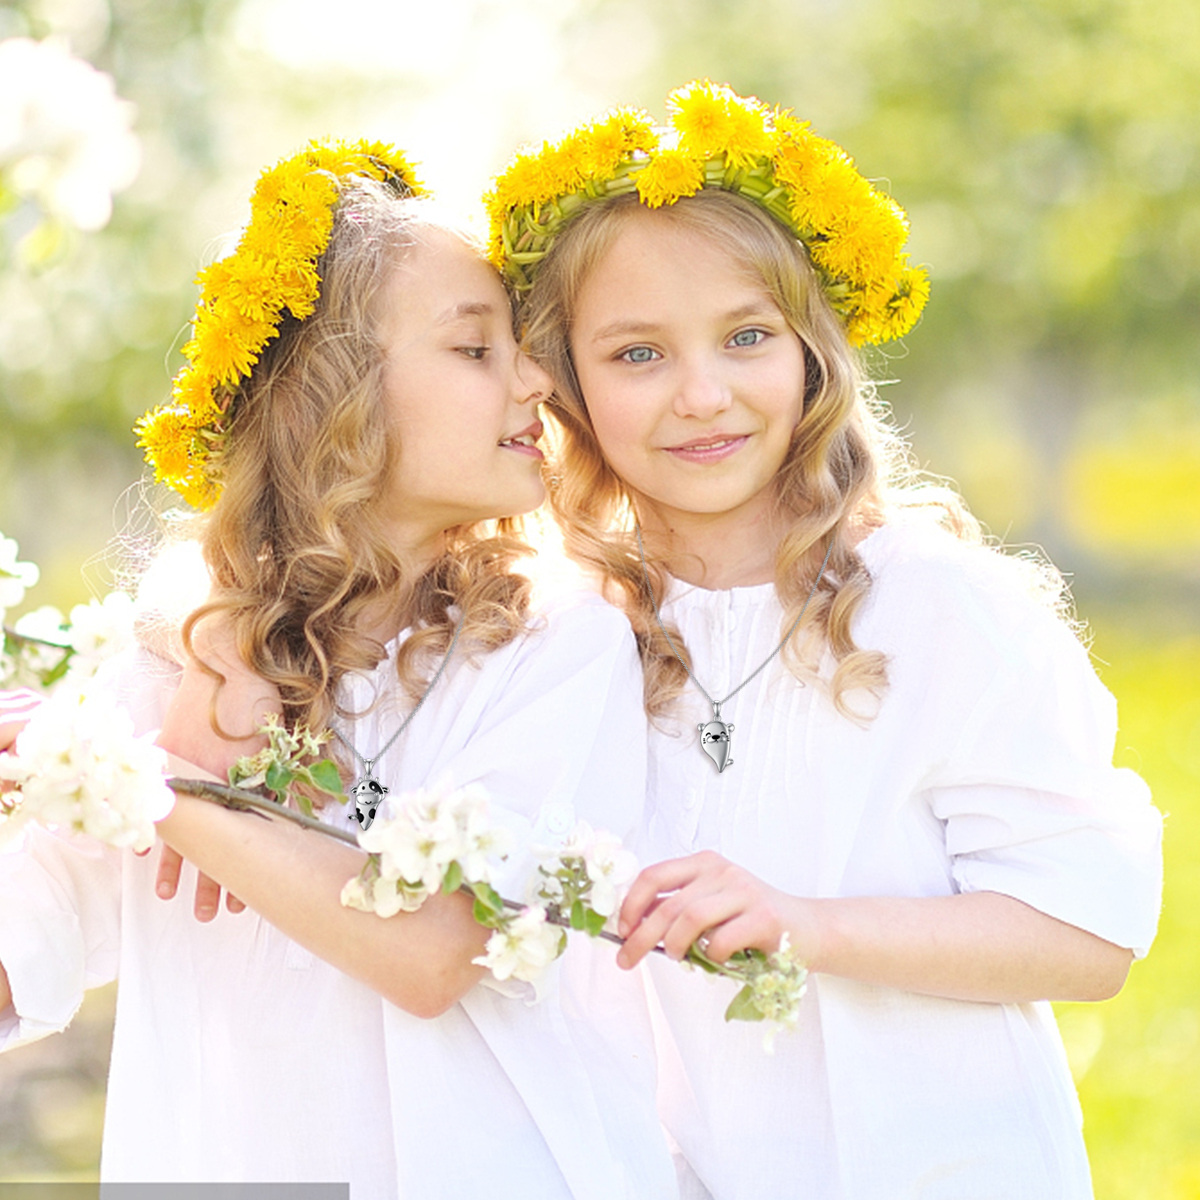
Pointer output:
462, 397
693, 378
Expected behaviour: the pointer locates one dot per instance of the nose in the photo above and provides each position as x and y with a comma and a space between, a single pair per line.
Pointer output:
701, 390
533, 381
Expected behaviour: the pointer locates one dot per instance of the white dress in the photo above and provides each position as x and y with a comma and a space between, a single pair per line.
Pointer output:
987, 768
239, 1056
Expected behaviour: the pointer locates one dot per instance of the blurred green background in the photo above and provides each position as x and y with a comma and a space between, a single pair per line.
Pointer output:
1048, 155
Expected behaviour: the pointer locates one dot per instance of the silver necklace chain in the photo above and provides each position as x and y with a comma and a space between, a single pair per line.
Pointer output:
368, 791
714, 734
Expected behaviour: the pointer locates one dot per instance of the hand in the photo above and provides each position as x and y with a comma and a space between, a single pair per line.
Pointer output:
706, 896
16, 707
208, 891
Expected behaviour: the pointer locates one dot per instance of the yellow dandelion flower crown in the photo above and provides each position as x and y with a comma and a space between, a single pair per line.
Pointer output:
854, 234
245, 297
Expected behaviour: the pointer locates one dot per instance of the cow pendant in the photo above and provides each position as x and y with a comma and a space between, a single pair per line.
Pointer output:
715, 740
368, 793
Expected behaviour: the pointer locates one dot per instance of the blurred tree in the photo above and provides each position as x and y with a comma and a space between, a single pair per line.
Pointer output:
1048, 154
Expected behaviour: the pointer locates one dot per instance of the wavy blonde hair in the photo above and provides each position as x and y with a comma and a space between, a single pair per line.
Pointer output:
846, 467
296, 547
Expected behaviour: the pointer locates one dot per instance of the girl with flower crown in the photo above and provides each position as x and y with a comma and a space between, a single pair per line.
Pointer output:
362, 425
875, 740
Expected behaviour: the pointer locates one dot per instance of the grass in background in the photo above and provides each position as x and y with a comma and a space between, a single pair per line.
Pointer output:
1137, 1058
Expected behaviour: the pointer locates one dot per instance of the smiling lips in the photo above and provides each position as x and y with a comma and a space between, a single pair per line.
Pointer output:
525, 442
715, 448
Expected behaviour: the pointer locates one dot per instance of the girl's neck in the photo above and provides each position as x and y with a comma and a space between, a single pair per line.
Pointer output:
713, 551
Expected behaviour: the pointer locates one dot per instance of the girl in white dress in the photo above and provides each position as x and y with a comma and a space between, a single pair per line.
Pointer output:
915, 789
355, 466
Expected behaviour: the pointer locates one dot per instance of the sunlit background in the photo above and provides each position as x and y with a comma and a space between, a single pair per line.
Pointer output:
1047, 152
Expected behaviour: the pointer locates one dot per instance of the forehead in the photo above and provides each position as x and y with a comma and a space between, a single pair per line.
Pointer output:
652, 255
437, 279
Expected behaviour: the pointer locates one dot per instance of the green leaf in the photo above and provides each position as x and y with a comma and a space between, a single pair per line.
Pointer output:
742, 1007
485, 915
578, 915
593, 923
59, 670
453, 878
487, 897
324, 775
279, 779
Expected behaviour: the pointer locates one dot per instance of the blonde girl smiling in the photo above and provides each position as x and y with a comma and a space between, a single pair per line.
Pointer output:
873, 737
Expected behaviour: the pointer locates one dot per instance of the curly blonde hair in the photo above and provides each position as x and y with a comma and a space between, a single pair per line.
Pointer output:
296, 547
846, 467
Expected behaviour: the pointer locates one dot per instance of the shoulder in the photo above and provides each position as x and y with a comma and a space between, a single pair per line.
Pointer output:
923, 576
574, 610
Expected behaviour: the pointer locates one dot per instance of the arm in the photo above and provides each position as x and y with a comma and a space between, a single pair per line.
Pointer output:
420, 961
5, 990
976, 946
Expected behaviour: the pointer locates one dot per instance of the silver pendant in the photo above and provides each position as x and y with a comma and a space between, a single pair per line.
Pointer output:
715, 740
368, 794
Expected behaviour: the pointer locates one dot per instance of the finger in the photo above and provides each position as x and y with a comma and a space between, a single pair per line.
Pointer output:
208, 898
665, 917
167, 883
757, 929
233, 903
659, 879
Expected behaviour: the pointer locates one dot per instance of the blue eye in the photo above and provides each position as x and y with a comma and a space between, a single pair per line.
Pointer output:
639, 354
747, 337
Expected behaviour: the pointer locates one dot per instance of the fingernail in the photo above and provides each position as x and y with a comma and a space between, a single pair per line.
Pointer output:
165, 890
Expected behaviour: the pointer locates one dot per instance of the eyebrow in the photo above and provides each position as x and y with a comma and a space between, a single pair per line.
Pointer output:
632, 327
468, 308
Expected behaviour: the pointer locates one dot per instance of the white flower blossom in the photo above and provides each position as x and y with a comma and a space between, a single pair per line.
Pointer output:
99, 630
524, 948
15, 577
33, 661
13, 819
776, 992
417, 838
65, 136
79, 766
607, 870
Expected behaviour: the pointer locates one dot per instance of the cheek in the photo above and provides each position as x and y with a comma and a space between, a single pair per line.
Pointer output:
622, 429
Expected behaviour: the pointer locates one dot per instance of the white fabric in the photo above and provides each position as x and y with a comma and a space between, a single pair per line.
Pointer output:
239, 1056
987, 767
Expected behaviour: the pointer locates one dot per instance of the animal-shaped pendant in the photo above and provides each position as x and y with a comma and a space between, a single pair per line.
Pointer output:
368, 793
715, 740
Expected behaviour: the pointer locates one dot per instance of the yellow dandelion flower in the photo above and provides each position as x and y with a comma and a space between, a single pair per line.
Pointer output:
669, 176
246, 282
750, 137
561, 171
700, 112
298, 286
605, 144
193, 392
166, 435
225, 344
834, 190
196, 488
521, 184
867, 243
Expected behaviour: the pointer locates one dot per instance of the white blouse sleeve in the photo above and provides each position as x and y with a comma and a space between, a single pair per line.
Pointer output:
60, 900
1032, 805
60, 895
